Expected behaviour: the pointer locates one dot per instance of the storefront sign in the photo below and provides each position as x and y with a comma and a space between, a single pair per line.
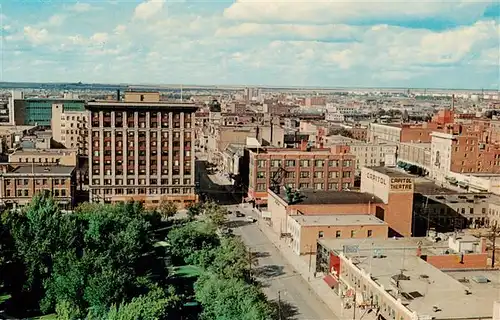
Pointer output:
401, 184
376, 178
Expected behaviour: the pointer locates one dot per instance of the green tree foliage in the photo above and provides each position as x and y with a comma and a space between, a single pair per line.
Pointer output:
193, 242
98, 256
154, 305
168, 209
343, 132
215, 213
231, 299
231, 259
194, 210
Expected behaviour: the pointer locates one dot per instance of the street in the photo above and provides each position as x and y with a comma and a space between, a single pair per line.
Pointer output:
298, 301
281, 284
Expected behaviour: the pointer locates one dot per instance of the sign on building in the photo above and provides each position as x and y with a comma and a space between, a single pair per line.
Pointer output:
351, 248
401, 184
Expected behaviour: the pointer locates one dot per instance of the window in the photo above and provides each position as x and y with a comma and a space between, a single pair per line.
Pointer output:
369, 233
290, 175
260, 174
318, 174
347, 163
290, 163
275, 163
333, 186
318, 186
304, 163
333, 174
319, 163
304, 185
333, 163
353, 233
304, 174
337, 234
471, 210
261, 187
346, 174
320, 234
261, 163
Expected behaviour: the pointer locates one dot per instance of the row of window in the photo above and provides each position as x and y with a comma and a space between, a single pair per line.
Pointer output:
26, 193
307, 174
142, 172
142, 191
304, 163
260, 187
142, 134
25, 182
131, 182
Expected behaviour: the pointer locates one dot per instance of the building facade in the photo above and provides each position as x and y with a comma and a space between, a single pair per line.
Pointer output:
319, 169
70, 128
141, 149
20, 184
39, 111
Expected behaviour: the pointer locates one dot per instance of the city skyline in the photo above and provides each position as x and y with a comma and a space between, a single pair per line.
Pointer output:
451, 44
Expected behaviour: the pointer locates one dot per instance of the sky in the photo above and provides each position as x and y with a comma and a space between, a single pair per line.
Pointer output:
330, 43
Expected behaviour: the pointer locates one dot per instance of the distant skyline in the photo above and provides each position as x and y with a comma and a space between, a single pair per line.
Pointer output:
424, 44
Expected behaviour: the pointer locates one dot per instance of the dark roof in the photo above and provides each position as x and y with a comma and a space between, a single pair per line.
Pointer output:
333, 197
145, 106
391, 172
41, 170
430, 188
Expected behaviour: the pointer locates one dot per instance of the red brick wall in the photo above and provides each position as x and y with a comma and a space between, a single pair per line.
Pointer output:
452, 261
399, 213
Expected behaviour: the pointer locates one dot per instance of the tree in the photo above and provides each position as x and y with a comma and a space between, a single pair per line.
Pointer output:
156, 304
343, 132
231, 259
194, 210
192, 242
168, 209
215, 213
231, 299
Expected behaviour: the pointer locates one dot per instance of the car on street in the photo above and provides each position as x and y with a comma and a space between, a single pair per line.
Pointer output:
239, 214
250, 219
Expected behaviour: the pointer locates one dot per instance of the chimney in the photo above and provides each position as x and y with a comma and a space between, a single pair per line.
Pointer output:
118, 94
303, 145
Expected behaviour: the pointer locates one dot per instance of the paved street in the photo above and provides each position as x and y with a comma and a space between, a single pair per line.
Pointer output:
298, 300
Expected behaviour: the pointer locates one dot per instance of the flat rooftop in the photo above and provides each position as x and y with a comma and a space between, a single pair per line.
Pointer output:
41, 170
391, 172
425, 286
290, 151
105, 104
338, 220
430, 188
311, 196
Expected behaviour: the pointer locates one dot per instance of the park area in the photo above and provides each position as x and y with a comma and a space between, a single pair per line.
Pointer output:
120, 261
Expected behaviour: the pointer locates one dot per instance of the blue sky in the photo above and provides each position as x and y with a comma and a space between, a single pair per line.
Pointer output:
412, 43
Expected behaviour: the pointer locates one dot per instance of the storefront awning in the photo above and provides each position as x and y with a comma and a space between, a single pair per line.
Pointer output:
330, 281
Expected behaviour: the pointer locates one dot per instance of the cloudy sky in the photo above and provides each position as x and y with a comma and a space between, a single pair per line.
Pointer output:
406, 43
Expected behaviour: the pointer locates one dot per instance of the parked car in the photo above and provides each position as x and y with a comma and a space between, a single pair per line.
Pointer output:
251, 219
239, 214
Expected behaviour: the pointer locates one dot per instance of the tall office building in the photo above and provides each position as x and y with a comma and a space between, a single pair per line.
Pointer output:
141, 149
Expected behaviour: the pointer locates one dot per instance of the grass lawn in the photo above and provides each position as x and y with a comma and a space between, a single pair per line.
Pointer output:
185, 271
4, 298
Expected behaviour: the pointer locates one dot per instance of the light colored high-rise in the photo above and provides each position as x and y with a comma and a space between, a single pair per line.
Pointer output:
141, 149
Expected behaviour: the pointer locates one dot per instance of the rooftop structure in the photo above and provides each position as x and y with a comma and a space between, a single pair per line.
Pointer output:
311, 196
337, 220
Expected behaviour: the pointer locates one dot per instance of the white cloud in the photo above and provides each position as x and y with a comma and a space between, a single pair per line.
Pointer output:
81, 7
56, 20
99, 38
119, 29
148, 9
36, 36
341, 11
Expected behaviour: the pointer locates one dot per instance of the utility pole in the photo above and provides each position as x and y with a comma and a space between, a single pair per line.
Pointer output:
250, 262
493, 237
279, 306
354, 306
310, 262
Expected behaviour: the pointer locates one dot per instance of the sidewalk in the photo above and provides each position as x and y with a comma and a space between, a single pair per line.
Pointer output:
319, 286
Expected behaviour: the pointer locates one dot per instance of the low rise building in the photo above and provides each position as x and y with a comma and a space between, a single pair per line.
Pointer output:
70, 128
418, 154
304, 168
411, 278
303, 231
19, 184
63, 157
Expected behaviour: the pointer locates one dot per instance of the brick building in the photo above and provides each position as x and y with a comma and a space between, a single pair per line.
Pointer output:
19, 184
304, 168
305, 230
395, 189
141, 149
